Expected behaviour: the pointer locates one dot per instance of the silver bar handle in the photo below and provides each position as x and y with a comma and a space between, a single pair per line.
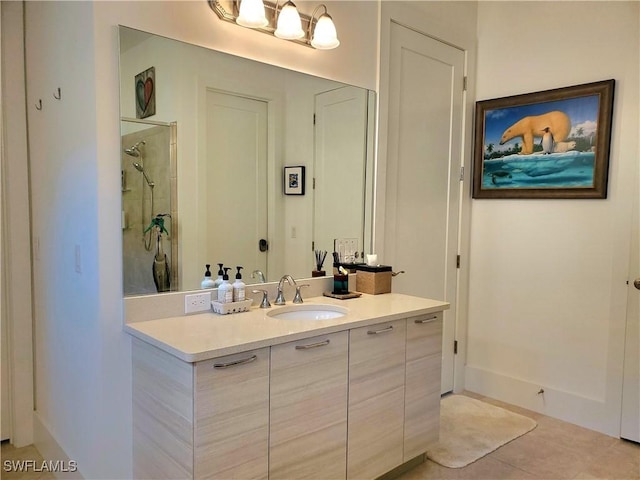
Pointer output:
384, 330
313, 345
426, 320
236, 362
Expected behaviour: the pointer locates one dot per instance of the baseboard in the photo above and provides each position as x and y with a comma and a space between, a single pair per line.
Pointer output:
569, 407
51, 451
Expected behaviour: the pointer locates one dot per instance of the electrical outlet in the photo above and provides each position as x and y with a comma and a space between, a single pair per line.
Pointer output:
197, 302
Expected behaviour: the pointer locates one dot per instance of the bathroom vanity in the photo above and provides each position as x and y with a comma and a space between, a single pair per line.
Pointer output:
267, 396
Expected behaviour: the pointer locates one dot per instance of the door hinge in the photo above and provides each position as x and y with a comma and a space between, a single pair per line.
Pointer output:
457, 261
455, 347
313, 184
461, 173
464, 84
313, 245
314, 118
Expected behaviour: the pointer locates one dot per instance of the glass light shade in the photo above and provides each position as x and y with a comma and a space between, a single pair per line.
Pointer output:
289, 23
324, 34
252, 14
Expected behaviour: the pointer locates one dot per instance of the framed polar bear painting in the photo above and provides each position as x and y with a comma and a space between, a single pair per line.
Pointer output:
549, 144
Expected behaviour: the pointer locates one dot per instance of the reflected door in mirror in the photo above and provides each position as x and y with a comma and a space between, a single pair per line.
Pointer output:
339, 168
235, 212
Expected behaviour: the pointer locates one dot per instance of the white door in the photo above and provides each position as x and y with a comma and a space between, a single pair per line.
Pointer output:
236, 211
340, 146
630, 422
423, 173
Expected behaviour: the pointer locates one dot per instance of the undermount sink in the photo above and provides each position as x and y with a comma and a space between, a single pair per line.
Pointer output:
308, 312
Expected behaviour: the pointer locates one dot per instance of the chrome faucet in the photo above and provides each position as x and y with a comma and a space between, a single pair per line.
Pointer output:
280, 296
260, 275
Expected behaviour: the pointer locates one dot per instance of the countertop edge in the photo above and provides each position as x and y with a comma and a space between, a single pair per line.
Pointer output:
276, 339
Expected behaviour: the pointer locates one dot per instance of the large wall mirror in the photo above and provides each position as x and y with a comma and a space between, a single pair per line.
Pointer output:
206, 139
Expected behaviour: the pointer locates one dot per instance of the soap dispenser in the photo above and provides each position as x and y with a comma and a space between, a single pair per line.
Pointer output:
238, 287
225, 290
207, 281
218, 280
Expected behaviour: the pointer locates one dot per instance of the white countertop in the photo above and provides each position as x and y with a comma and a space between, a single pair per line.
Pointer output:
207, 335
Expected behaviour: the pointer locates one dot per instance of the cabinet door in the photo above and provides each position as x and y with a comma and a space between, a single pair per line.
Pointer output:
422, 383
308, 412
232, 416
376, 399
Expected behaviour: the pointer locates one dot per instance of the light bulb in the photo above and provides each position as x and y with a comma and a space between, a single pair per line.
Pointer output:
324, 34
289, 23
252, 14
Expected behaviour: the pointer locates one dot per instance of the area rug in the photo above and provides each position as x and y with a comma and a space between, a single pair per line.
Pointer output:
470, 429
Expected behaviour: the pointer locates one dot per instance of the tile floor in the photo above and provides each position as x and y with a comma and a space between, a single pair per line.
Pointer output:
554, 450
12, 454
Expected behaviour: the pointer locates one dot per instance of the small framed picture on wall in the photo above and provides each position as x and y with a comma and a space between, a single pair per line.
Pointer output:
294, 180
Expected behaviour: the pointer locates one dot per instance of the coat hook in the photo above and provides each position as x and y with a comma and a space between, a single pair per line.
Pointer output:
39, 104
59, 95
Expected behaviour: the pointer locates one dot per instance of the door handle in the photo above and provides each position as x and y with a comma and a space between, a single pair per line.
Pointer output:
263, 245
636, 283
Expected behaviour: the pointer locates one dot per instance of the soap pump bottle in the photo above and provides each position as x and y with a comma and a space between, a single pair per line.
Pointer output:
218, 280
225, 290
207, 281
238, 287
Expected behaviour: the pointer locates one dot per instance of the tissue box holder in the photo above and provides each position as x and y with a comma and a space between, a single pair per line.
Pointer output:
373, 280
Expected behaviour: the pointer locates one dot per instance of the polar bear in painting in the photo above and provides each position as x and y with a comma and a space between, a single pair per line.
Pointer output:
557, 122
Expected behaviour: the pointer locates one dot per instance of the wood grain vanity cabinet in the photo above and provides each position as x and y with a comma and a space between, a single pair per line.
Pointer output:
376, 399
422, 383
352, 404
308, 408
231, 430
204, 420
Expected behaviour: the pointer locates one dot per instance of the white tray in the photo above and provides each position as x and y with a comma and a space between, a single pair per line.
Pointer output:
232, 307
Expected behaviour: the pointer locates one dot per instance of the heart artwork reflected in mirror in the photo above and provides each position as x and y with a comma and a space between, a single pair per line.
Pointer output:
145, 93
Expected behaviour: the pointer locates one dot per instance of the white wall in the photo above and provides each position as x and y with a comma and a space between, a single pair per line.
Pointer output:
547, 277
83, 373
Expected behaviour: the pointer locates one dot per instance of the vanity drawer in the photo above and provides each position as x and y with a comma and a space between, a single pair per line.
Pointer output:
376, 399
422, 383
308, 408
231, 410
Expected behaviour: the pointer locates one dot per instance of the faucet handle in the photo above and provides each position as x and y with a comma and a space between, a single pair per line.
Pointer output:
298, 297
280, 298
265, 300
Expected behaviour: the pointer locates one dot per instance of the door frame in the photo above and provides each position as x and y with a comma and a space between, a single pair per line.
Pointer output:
15, 246
419, 21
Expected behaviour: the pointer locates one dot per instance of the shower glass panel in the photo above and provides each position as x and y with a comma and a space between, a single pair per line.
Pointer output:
149, 207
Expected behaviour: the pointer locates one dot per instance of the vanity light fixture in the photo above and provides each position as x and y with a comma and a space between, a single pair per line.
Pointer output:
324, 35
284, 21
252, 14
289, 23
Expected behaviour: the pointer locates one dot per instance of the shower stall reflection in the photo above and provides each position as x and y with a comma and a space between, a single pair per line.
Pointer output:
149, 210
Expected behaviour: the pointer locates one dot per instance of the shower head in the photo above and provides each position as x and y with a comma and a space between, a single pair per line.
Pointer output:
134, 150
140, 168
